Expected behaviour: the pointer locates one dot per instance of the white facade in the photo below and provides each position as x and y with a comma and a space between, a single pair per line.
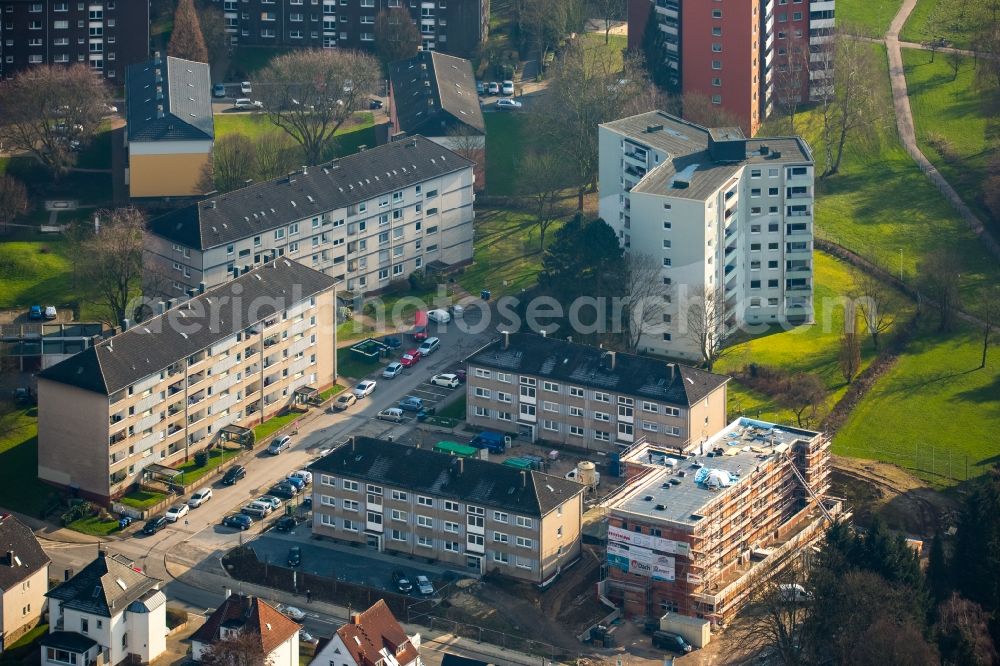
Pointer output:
125, 632
285, 654
742, 231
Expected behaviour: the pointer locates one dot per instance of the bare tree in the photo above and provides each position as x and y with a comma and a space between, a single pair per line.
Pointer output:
700, 109
609, 11
877, 303
244, 648
851, 104
186, 39
310, 93
963, 633
642, 300
396, 35
109, 260
232, 163
988, 312
13, 200
940, 281
471, 145
849, 360
806, 392
213, 31
541, 25
704, 316
50, 111
542, 176
774, 618
276, 154
791, 76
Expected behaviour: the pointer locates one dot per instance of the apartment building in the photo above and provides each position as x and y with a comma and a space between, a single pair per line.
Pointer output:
740, 54
108, 35
729, 218
577, 395
453, 26
469, 513
365, 219
181, 381
171, 130
691, 534
24, 579
109, 613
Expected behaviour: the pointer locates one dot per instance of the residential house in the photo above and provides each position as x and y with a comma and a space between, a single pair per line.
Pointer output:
371, 638
24, 579
202, 372
170, 130
108, 612
242, 615
582, 396
469, 513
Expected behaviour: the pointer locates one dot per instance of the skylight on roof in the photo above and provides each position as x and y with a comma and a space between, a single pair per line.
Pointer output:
121, 583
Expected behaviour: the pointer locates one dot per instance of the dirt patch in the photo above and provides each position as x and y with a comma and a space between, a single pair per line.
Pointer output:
901, 500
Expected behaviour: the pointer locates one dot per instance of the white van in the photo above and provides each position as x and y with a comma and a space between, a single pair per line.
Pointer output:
429, 346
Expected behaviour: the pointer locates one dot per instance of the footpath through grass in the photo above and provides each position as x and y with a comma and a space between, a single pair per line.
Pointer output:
955, 128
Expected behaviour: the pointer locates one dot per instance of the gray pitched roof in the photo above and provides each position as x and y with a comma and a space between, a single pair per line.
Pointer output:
185, 329
105, 586
266, 206
17, 538
169, 100
434, 93
68, 640
583, 365
442, 475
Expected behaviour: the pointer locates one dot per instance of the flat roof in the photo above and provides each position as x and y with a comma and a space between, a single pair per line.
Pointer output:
680, 487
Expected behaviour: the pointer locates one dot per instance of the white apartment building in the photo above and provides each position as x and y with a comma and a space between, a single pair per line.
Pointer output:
725, 216
366, 219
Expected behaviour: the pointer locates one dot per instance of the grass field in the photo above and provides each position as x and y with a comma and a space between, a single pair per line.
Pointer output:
507, 257
35, 272
917, 27
20, 488
594, 41
347, 139
94, 526
191, 472
955, 128
274, 424
141, 499
935, 406
503, 152
813, 348
871, 16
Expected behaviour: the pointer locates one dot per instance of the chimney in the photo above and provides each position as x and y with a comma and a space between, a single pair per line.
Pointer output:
461, 466
67, 574
611, 360
673, 369
506, 339
356, 618
544, 335
10, 557
201, 287
125, 324
524, 478
229, 592
569, 338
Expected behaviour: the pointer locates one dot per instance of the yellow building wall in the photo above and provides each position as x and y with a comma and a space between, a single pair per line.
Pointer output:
166, 175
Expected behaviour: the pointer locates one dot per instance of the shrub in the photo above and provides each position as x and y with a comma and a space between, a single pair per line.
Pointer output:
201, 458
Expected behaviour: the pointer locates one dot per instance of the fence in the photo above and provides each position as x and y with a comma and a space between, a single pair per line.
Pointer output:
937, 463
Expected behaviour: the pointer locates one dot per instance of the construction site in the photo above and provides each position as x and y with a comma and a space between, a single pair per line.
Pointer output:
691, 533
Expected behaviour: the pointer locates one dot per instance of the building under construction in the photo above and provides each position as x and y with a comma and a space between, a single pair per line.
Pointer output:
692, 532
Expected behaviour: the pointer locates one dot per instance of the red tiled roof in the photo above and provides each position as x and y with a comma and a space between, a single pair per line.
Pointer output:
375, 629
251, 614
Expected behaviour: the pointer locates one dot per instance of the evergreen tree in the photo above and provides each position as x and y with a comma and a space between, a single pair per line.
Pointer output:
186, 40
938, 573
976, 560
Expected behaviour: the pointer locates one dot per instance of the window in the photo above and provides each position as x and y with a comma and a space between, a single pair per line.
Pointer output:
576, 391
350, 485
576, 431
501, 557
483, 374
351, 505
550, 386
716, 48
453, 546
504, 397
550, 406
425, 521
524, 542
398, 515
424, 501
451, 528
399, 496
602, 416
482, 392
500, 517
503, 377
552, 426
716, 64
576, 411
425, 541
601, 397
523, 521
451, 506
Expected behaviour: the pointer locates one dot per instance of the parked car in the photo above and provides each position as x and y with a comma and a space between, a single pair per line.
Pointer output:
446, 379
256, 510
493, 88
218, 90
411, 403
294, 556
50, 312
410, 358
279, 445
392, 342
247, 103
284, 490
307, 638
508, 104
456, 310
480, 88
292, 612
667, 640
364, 389
507, 88
424, 585
176, 512
374, 104
296, 481
440, 316
286, 524
273, 501
394, 414
344, 400
238, 520
392, 370
234, 474
154, 525
200, 497
35, 312
246, 88
303, 474
401, 582
429, 346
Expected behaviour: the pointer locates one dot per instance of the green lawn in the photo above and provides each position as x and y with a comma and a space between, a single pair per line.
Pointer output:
94, 526
917, 30
35, 272
142, 499
190, 472
503, 152
594, 41
811, 348
871, 16
20, 488
274, 424
455, 410
955, 129
348, 138
507, 258
333, 390
934, 401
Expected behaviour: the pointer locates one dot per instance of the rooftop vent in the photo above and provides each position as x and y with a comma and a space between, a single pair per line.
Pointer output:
653, 128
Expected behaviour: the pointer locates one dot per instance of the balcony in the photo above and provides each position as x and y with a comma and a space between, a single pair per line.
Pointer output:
175, 409
197, 397
196, 379
173, 429
195, 359
253, 369
272, 340
175, 388
271, 322
196, 417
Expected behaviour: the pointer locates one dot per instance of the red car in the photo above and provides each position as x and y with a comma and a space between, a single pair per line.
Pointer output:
410, 358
